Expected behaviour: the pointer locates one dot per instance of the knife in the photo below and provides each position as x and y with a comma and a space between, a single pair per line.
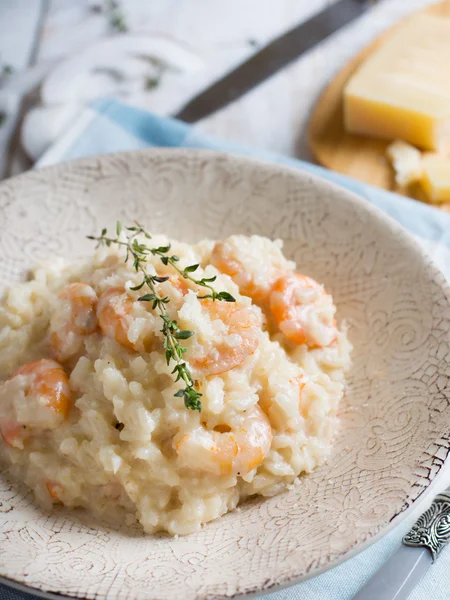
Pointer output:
396, 579
273, 57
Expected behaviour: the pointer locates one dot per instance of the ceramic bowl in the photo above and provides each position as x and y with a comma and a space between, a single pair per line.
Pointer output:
395, 420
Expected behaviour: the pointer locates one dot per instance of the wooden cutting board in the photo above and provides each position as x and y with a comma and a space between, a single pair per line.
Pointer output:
358, 156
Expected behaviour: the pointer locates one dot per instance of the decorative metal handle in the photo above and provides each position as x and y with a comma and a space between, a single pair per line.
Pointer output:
432, 529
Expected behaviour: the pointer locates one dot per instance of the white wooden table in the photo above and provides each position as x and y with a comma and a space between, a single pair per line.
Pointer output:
222, 32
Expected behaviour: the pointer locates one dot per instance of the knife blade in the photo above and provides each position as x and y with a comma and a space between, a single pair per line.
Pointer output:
273, 57
398, 576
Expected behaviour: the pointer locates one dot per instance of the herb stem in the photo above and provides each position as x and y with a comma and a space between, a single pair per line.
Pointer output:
171, 331
161, 306
186, 274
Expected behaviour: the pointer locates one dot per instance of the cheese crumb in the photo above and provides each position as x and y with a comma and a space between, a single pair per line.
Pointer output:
406, 161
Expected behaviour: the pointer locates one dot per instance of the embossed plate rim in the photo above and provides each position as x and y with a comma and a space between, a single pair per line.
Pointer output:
284, 579
426, 495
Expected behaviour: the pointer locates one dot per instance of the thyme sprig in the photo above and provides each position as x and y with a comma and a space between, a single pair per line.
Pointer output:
139, 252
186, 274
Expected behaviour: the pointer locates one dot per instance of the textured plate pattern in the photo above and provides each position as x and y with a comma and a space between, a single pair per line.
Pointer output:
395, 420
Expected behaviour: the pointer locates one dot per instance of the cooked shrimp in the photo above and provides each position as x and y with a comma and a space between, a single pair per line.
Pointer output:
13, 433
117, 313
179, 284
54, 489
73, 319
37, 396
227, 450
303, 310
240, 257
223, 259
113, 312
240, 339
175, 289
48, 384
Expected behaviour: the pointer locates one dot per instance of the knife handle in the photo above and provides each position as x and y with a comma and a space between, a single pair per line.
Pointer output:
397, 577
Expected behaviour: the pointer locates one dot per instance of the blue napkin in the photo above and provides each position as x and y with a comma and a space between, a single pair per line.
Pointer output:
111, 126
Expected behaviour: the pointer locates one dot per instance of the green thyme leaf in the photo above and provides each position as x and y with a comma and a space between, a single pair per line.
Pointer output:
226, 297
191, 268
147, 298
184, 334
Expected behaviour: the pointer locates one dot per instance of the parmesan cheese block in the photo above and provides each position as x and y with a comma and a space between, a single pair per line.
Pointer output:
436, 177
402, 91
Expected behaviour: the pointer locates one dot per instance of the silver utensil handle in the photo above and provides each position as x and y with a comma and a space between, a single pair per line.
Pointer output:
397, 577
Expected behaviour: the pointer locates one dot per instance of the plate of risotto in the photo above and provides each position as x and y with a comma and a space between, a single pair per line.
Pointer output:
216, 375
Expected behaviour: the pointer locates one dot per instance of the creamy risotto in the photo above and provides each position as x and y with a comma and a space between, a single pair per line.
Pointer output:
91, 413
